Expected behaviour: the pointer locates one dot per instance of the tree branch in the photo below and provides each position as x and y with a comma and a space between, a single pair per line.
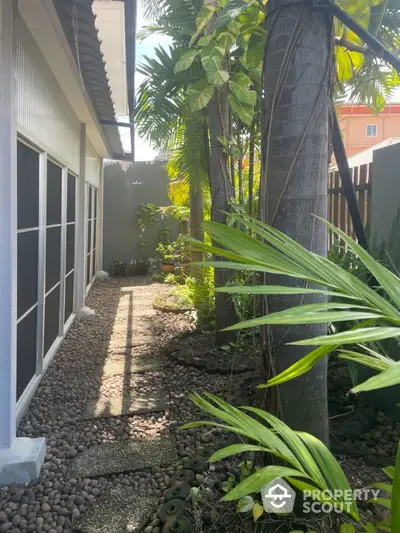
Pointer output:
342, 41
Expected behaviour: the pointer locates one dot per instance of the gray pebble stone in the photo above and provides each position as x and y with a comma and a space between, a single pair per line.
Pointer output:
148, 529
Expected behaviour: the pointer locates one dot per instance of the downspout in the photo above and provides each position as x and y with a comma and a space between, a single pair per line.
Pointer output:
130, 11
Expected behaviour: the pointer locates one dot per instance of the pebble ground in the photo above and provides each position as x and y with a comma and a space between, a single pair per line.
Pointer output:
55, 502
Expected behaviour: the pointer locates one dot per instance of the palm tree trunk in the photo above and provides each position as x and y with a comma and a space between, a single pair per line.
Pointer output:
196, 218
251, 169
231, 158
221, 194
240, 162
297, 70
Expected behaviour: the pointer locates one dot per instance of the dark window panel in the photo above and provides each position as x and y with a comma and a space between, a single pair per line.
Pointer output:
53, 259
28, 187
94, 263
95, 203
95, 233
27, 271
26, 351
71, 198
90, 198
51, 318
89, 237
54, 179
70, 260
69, 295
88, 277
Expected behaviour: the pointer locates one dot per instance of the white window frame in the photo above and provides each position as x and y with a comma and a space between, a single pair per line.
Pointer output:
371, 126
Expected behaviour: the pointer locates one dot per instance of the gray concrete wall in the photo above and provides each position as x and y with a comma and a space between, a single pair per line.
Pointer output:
385, 203
126, 187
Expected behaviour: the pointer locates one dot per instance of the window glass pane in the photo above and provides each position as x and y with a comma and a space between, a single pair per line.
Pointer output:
28, 187
51, 318
27, 271
71, 198
54, 178
53, 259
26, 351
69, 295
70, 259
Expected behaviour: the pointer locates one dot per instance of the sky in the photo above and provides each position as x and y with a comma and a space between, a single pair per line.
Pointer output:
143, 151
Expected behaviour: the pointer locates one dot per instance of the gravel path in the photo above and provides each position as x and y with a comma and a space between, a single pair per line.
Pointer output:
124, 318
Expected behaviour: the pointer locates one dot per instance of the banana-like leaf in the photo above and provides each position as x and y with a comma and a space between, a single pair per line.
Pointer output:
395, 520
387, 378
353, 336
388, 281
261, 477
300, 367
306, 314
366, 360
329, 467
347, 528
235, 449
276, 289
295, 443
386, 487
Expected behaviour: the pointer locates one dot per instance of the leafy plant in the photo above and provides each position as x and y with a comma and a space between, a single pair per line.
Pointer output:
200, 292
374, 315
118, 268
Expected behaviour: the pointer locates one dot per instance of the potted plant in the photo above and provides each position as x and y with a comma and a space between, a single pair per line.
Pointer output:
168, 255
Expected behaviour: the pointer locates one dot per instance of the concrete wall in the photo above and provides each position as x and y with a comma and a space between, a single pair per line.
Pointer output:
126, 188
386, 199
385, 231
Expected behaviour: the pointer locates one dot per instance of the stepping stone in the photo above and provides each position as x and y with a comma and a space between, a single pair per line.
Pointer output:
126, 403
137, 365
139, 340
124, 456
118, 511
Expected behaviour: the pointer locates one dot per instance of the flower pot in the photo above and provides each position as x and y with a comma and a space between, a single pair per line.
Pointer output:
167, 269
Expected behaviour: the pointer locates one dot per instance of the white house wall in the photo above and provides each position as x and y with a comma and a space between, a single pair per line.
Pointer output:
43, 113
93, 166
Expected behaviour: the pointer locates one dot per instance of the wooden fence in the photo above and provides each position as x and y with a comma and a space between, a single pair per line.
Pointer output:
338, 212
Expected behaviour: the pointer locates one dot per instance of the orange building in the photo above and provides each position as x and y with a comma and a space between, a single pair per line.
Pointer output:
361, 128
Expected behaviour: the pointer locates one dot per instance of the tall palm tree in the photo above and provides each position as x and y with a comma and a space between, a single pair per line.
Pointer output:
163, 119
297, 79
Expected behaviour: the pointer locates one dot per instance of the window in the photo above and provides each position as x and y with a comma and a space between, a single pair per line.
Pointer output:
371, 130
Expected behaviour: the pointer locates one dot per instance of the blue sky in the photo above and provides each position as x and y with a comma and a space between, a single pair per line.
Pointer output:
143, 151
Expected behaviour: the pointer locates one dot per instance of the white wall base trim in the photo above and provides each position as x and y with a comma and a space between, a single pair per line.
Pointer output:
84, 312
102, 275
22, 462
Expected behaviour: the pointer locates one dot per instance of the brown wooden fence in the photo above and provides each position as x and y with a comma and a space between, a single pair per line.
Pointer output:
338, 212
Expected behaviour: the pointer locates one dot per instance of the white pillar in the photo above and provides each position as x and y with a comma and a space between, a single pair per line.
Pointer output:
8, 226
80, 256
81, 227
22, 458
99, 236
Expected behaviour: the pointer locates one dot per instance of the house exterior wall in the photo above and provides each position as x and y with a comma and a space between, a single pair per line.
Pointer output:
353, 122
44, 115
47, 125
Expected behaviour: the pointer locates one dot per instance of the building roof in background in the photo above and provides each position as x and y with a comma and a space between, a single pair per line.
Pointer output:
78, 22
366, 156
361, 109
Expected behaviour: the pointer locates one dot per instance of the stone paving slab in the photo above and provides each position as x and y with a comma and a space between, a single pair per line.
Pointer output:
139, 340
126, 404
118, 511
124, 456
137, 365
